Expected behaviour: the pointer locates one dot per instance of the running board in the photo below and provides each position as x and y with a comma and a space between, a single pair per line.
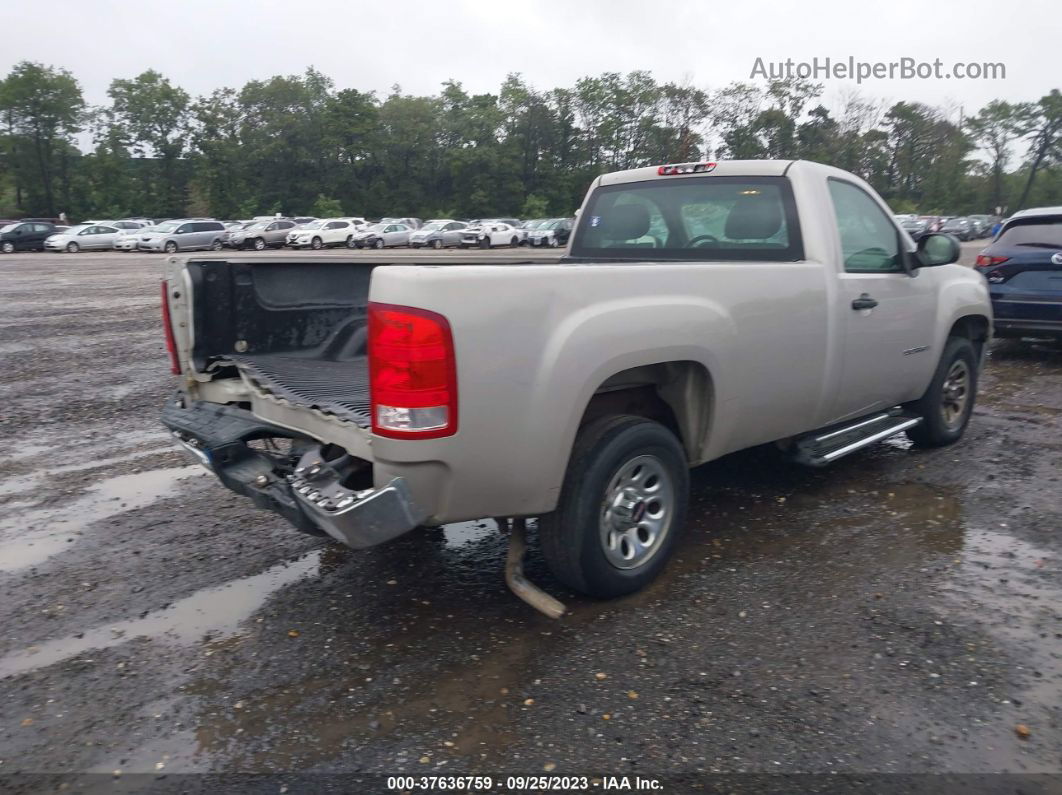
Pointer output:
826, 445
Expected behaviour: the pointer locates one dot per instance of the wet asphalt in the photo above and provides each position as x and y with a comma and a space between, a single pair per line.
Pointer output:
899, 612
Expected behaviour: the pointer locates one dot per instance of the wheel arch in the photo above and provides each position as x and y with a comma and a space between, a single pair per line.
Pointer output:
678, 394
975, 327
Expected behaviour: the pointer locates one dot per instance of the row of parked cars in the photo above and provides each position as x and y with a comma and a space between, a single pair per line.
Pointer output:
968, 227
194, 234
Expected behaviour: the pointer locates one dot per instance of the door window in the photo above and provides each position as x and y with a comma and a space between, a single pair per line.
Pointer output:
869, 240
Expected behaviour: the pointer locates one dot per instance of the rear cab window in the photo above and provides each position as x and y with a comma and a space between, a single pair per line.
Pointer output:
715, 218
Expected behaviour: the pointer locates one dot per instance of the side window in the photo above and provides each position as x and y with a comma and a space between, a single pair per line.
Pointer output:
184, 229
92, 230
285, 225
869, 241
42, 228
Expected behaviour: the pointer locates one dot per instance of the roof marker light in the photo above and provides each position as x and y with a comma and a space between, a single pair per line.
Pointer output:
685, 168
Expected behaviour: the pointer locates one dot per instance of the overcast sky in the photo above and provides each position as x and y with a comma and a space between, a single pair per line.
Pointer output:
205, 44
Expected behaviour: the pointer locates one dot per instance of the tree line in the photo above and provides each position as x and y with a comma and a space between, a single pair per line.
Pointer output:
296, 144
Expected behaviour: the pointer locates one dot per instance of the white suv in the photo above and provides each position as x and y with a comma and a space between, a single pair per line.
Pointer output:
323, 233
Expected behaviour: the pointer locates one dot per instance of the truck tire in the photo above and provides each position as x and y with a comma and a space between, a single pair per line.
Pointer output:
948, 402
621, 509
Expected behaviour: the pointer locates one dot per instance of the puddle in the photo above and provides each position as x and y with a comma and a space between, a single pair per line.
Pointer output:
215, 610
460, 534
31, 536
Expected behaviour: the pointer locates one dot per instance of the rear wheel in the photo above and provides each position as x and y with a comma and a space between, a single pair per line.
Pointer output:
215, 246
622, 507
350, 242
72, 248
948, 402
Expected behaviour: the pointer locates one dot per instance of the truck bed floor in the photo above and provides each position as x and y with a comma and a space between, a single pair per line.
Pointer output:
339, 388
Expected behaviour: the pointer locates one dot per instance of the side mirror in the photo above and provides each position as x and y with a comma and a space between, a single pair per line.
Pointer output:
937, 249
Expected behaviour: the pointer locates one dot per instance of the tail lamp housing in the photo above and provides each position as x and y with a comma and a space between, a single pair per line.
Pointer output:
167, 324
412, 373
988, 261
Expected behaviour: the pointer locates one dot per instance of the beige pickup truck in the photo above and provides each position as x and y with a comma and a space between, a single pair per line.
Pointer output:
700, 308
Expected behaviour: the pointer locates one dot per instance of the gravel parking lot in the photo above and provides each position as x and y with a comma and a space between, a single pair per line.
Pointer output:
900, 612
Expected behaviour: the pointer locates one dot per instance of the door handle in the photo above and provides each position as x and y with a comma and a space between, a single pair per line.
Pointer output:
864, 302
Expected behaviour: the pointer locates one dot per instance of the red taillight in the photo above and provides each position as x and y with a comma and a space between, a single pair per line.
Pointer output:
987, 261
412, 373
171, 343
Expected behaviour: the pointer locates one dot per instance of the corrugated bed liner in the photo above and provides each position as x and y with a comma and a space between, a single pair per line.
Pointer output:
339, 388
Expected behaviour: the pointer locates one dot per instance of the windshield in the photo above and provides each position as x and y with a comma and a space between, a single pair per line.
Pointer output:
75, 229
169, 226
1046, 232
312, 225
695, 218
549, 225
431, 227
7, 228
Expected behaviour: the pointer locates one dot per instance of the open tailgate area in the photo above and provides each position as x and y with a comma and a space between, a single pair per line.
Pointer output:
293, 330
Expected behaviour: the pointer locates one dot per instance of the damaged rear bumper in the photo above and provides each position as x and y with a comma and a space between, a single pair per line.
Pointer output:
307, 487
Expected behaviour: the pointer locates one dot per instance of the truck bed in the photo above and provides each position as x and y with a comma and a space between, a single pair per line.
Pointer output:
340, 388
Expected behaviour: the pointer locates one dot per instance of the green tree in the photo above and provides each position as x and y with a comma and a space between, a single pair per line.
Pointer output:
326, 207
42, 107
994, 129
1046, 146
151, 115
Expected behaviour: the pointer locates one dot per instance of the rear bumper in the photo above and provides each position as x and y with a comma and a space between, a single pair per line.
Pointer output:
304, 487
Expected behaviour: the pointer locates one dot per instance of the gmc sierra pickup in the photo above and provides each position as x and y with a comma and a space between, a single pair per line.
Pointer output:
700, 308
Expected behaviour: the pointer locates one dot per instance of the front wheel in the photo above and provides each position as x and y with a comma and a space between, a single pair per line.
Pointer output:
436, 244
621, 509
316, 244
948, 402
72, 248
378, 244
259, 244
484, 243
8, 247
170, 247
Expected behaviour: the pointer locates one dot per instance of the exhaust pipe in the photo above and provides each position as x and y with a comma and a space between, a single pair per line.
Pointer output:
514, 572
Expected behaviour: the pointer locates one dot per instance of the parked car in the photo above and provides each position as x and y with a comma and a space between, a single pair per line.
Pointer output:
127, 239
1023, 268
25, 236
984, 224
590, 419
933, 223
527, 227
83, 237
555, 232
182, 235
490, 234
261, 235
324, 233
381, 235
916, 227
438, 234
960, 227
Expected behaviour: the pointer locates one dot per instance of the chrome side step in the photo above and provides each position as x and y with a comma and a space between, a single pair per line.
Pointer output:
826, 445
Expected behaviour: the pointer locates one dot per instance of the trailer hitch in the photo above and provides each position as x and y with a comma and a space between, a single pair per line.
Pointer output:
514, 572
